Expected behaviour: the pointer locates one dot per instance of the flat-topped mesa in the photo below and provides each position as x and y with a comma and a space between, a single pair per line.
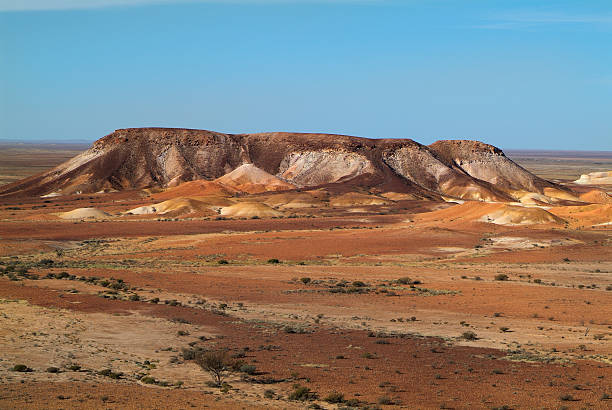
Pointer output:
136, 158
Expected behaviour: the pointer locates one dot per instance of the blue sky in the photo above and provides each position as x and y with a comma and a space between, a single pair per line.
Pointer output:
516, 74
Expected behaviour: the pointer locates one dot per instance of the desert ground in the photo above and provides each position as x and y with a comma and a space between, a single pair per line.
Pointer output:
321, 298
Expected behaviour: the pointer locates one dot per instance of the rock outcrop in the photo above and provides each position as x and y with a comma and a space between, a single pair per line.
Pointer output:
138, 158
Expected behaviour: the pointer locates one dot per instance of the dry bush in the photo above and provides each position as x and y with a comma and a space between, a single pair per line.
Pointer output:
216, 363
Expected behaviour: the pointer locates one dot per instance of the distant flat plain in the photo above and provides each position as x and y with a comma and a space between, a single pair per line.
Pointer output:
20, 160
562, 165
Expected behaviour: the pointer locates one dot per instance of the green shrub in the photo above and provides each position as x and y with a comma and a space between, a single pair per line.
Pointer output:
148, 380
110, 373
21, 368
248, 369
469, 335
385, 400
301, 393
334, 397
368, 355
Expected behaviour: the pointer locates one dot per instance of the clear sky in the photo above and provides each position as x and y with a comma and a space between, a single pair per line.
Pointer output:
517, 74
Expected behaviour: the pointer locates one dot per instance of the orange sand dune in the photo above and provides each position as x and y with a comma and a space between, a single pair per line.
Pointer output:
248, 178
357, 199
497, 213
84, 213
296, 200
175, 206
198, 188
596, 196
582, 216
249, 210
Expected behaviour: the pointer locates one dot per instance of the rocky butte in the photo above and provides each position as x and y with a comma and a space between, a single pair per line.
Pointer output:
137, 158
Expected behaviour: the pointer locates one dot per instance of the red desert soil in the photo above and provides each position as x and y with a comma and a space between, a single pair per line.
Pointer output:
414, 371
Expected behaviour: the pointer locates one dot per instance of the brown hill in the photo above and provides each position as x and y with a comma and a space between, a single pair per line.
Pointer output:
139, 158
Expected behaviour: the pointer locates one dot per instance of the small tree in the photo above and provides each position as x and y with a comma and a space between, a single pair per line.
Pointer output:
214, 362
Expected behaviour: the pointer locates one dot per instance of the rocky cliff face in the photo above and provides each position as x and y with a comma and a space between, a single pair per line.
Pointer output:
138, 158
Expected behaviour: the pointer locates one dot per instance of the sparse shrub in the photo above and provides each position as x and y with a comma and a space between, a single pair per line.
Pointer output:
469, 335
215, 363
301, 393
74, 367
134, 298
385, 400
21, 368
501, 277
359, 284
295, 330
273, 261
62, 275
148, 380
53, 369
334, 397
110, 373
190, 354
566, 397
248, 369
504, 329
269, 394
182, 333
305, 280
222, 262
